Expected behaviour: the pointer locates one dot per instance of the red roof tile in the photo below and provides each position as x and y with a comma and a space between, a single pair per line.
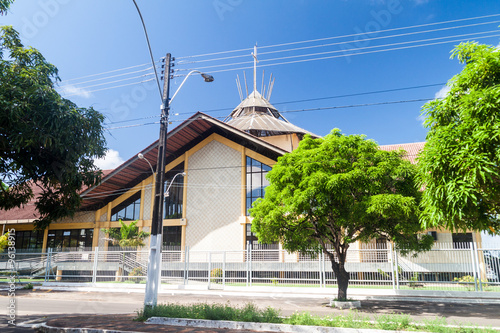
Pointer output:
412, 149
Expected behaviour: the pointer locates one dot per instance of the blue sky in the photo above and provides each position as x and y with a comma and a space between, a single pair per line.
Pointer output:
89, 37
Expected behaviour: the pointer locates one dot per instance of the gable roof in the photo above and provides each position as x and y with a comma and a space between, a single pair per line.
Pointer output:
182, 138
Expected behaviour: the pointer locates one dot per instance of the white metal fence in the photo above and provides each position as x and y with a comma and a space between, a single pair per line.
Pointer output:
446, 267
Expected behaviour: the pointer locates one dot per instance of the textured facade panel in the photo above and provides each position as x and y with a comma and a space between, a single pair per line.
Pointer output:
104, 217
214, 199
102, 239
146, 240
148, 193
79, 217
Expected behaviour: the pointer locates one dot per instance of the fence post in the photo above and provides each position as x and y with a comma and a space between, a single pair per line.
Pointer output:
391, 259
48, 264
209, 267
319, 270
185, 267
478, 267
247, 261
224, 270
250, 270
397, 267
96, 261
473, 264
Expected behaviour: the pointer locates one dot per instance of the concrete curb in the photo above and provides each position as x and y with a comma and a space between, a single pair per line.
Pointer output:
238, 325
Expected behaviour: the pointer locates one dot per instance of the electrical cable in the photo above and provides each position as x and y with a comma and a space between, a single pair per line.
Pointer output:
344, 42
306, 41
304, 110
346, 50
343, 36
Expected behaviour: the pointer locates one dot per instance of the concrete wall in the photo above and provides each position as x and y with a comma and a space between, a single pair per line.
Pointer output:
214, 199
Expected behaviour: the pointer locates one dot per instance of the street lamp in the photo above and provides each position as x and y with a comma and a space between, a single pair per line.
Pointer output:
167, 191
141, 157
154, 261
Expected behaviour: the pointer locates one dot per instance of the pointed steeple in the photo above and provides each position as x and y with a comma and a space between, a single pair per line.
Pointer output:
255, 115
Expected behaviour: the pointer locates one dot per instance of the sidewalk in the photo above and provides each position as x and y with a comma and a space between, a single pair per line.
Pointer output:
462, 311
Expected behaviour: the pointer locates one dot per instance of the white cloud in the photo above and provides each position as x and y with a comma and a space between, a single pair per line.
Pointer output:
110, 161
69, 90
442, 92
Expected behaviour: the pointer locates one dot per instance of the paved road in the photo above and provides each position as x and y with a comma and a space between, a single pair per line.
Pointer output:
35, 304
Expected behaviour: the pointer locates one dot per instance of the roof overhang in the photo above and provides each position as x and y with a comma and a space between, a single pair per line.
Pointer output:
182, 138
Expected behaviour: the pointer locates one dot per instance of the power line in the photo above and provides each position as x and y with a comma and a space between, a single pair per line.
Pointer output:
102, 73
311, 40
346, 54
123, 85
305, 110
107, 77
299, 101
346, 42
343, 36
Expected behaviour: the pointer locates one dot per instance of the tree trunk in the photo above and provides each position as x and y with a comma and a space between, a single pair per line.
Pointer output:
342, 277
343, 282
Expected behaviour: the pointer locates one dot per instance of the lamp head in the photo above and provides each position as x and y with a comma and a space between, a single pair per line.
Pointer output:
140, 156
207, 77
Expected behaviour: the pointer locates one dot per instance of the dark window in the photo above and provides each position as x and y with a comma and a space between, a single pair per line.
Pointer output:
462, 241
29, 240
174, 201
251, 236
128, 210
172, 237
76, 239
256, 180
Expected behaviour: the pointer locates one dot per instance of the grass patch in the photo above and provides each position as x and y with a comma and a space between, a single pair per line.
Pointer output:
247, 313
352, 318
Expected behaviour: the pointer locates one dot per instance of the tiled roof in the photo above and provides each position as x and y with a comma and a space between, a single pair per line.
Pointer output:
412, 149
27, 212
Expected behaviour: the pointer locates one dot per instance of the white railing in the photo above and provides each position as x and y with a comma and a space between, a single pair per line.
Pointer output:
446, 267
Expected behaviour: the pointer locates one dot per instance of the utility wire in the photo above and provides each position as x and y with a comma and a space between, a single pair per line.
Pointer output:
349, 50
344, 55
107, 77
344, 42
302, 100
344, 36
312, 40
302, 110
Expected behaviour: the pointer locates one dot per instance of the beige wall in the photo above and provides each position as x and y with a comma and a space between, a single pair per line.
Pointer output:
213, 206
287, 142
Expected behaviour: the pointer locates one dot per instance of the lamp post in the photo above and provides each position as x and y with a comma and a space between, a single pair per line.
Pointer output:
141, 157
154, 260
167, 191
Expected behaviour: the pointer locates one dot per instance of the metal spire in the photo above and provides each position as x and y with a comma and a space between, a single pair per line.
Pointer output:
255, 61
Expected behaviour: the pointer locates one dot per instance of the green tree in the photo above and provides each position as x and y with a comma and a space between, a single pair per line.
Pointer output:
45, 140
336, 190
4, 241
460, 163
126, 235
4, 6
